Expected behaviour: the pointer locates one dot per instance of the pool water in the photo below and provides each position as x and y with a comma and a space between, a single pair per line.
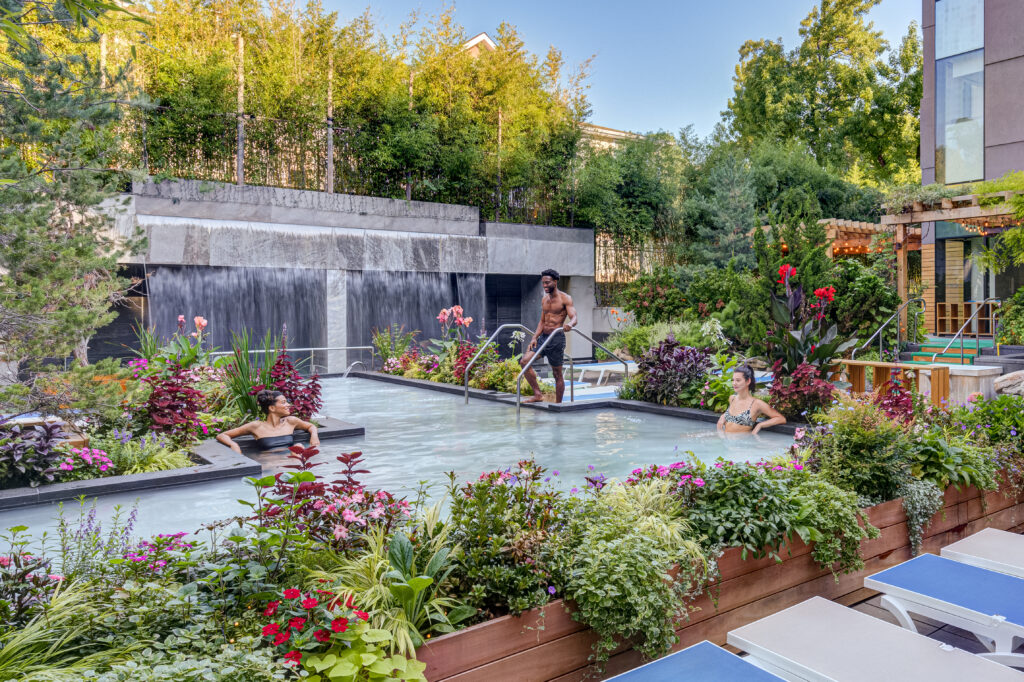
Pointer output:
415, 435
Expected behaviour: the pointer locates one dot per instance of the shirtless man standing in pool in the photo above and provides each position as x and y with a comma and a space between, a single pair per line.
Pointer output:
557, 311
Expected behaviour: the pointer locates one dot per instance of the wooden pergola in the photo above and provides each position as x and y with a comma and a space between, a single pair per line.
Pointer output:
980, 214
854, 237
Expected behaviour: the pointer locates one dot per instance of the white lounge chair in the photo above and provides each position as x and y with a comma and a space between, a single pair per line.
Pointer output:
603, 368
821, 640
996, 550
988, 604
703, 662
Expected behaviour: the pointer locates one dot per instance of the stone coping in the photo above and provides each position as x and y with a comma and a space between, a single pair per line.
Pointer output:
218, 462
610, 403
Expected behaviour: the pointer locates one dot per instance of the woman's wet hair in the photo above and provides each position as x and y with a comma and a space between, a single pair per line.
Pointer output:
748, 374
266, 398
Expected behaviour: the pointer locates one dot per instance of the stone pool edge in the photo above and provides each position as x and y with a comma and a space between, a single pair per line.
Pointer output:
221, 462
690, 413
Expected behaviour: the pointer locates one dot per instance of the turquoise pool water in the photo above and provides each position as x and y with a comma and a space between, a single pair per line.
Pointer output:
415, 435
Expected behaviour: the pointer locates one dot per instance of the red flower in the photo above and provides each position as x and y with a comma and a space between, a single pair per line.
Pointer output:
339, 624
292, 594
322, 636
309, 603
271, 608
785, 271
293, 657
362, 615
297, 623
827, 293
282, 637
349, 602
271, 629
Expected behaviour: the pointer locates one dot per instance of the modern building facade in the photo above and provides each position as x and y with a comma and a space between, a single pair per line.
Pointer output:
972, 128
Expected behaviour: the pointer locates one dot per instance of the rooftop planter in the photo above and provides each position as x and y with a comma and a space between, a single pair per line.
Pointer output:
548, 645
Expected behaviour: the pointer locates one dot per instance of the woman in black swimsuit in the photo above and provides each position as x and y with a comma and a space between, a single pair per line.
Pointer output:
275, 430
744, 408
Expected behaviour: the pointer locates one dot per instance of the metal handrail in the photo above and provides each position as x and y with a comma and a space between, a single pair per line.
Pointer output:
484, 347
312, 350
960, 333
853, 355
572, 377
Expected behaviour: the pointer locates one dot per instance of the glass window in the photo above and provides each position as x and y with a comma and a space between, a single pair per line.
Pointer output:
959, 27
959, 118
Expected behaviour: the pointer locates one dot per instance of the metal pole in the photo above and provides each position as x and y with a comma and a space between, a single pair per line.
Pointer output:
572, 381
497, 208
329, 178
240, 135
408, 172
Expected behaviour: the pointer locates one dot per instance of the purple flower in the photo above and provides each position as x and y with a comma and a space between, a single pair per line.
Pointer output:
555, 472
574, 491
551, 589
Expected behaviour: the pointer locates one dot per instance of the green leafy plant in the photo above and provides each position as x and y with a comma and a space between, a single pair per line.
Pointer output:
501, 522
245, 371
921, 500
934, 458
654, 298
141, 454
630, 562
402, 584
361, 656
860, 449
717, 389
392, 342
831, 519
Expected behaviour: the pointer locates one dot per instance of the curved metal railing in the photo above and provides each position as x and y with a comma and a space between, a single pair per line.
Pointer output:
960, 333
489, 341
878, 332
572, 377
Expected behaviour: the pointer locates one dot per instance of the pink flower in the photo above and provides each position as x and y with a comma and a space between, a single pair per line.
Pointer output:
699, 482
340, 532
798, 434
349, 516
200, 322
292, 593
181, 318
457, 310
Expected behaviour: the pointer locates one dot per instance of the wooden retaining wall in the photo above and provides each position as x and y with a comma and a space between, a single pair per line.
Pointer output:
546, 644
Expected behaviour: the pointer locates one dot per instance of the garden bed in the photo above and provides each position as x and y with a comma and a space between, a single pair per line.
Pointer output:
614, 403
217, 462
546, 644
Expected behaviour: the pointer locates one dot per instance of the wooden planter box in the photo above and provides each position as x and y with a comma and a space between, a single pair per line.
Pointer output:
546, 644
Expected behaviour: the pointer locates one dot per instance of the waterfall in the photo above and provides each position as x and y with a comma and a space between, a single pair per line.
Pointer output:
377, 299
236, 298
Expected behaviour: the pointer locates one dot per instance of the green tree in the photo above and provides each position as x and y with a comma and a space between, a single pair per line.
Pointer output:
59, 248
855, 110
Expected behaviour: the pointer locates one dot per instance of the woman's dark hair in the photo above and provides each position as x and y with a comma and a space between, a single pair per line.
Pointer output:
266, 398
748, 374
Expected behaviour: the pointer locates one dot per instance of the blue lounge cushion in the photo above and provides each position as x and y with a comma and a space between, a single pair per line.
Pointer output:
702, 662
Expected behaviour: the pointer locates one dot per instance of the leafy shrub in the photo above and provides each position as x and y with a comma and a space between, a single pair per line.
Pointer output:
501, 522
717, 387
29, 456
1011, 320
668, 369
832, 520
863, 301
501, 376
617, 555
858, 448
798, 338
632, 387
392, 342
1000, 420
654, 298
800, 394
933, 458
173, 406
303, 394
26, 581
131, 454
246, 370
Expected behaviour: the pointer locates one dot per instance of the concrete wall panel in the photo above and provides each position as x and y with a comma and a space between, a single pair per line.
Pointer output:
1003, 40
1007, 157
1004, 101
928, 101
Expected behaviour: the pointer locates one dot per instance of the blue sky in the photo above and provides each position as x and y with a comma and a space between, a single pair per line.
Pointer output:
659, 65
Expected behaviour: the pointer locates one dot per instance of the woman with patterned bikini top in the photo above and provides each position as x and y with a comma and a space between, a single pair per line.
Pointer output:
277, 428
736, 421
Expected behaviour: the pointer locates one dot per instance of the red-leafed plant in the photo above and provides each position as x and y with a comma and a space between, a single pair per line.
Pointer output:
896, 401
173, 405
800, 394
302, 393
463, 355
